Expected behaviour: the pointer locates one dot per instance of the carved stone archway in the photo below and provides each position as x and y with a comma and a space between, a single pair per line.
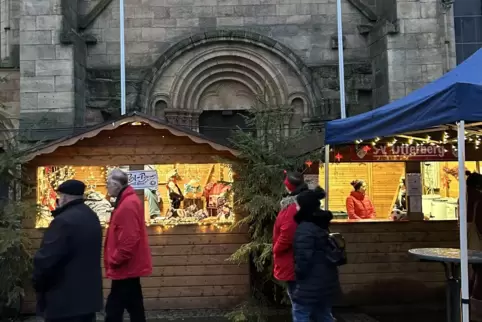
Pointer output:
224, 70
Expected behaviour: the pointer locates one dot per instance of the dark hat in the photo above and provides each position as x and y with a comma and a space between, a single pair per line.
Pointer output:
293, 180
309, 200
72, 187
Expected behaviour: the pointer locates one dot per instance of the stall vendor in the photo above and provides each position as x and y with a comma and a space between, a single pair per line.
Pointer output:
358, 204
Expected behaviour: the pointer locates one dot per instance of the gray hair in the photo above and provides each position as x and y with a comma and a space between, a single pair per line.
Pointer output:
119, 176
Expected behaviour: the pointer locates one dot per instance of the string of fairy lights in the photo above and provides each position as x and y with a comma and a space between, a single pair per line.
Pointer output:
405, 140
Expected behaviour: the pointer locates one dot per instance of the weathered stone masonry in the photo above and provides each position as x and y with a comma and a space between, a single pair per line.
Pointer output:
184, 57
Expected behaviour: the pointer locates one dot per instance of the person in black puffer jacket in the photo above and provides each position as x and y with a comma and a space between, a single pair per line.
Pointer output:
317, 282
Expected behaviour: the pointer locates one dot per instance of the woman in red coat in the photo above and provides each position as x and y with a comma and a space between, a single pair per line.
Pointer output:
285, 227
358, 204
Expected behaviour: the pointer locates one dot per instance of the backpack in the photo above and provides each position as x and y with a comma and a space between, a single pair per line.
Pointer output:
337, 245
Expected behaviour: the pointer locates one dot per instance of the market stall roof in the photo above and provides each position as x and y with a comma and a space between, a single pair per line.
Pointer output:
455, 96
134, 117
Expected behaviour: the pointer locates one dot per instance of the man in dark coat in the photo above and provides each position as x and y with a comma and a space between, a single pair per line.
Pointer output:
67, 274
317, 284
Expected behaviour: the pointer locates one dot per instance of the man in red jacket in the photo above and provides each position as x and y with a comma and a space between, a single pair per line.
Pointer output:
127, 255
285, 228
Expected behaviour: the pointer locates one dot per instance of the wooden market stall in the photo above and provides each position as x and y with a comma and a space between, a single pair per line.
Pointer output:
190, 242
380, 273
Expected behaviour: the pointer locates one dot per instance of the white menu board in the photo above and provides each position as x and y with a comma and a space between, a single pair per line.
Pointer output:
143, 179
414, 184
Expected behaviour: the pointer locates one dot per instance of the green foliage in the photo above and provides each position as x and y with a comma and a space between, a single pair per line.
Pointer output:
15, 259
258, 189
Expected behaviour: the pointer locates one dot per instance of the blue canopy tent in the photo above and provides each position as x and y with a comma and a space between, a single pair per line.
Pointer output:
456, 97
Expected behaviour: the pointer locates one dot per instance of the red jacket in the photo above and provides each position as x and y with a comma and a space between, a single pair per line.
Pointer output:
283, 236
359, 206
126, 252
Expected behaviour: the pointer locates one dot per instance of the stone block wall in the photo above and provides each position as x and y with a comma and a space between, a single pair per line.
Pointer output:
415, 54
409, 47
47, 92
307, 27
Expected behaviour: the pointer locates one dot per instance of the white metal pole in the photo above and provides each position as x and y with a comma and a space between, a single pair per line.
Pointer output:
122, 58
327, 172
463, 221
341, 67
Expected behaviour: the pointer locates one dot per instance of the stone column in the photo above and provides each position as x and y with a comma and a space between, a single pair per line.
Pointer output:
195, 120
52, 68
47, 68
184, 118
171, 116
416, 54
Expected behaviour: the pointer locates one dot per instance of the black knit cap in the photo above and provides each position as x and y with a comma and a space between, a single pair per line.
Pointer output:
72, 187
309, 200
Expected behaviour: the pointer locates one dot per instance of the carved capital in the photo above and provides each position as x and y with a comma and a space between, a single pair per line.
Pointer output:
447, 4
185, 118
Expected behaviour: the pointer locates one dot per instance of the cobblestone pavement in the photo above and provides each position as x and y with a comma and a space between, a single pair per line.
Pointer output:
212, 316
218, 316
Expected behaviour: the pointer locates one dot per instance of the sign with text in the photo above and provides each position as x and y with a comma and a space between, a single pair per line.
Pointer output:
143, 179
406, 152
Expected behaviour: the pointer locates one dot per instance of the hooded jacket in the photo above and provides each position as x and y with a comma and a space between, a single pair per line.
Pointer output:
317, 280
283, 236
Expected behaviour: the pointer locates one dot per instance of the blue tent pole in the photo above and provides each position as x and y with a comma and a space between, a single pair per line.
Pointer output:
464, 269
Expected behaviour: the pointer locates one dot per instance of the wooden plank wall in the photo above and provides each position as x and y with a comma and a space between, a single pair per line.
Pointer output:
382, 180
381, 272
190, 270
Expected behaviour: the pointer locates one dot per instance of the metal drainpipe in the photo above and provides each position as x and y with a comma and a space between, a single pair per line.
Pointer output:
446, 6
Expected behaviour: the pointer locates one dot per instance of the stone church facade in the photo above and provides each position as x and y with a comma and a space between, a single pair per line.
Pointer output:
188, 58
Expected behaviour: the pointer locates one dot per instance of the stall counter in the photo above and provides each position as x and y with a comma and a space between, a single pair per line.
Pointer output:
381, 272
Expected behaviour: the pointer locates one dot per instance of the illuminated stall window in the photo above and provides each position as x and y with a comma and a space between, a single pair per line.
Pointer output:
173, 195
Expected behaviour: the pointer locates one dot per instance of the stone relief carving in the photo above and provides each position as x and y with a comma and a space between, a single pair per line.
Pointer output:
227, 95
